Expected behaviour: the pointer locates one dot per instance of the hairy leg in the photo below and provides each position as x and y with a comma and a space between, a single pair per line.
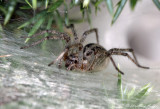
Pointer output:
129, 57
98, 58
116, 51
59, 57
61, 36
84, 36
115, 65
37, 42
101, 59
60, 63
45, 31
82, 40
93, 58
70, 66
73, 31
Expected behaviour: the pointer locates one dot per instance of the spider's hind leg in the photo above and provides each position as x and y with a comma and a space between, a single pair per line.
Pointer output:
134, 61
117, 51
115, 65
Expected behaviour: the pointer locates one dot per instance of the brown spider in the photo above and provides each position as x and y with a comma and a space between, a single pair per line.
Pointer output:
85, 58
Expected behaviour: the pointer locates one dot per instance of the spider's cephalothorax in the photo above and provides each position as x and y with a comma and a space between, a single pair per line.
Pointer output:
85, 58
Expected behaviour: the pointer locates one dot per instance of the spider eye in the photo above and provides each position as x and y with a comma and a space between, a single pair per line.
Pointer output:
76, 61
84, 58
80, 48
88, 53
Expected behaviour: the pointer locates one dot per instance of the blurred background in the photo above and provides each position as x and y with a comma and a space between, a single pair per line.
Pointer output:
27, 82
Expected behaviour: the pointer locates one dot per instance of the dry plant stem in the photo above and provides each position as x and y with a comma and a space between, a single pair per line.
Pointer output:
5, 56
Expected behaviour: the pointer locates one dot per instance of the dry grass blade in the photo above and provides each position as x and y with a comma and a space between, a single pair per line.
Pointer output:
5, 56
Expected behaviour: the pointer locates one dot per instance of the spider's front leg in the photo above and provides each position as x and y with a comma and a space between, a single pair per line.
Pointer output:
73, 31
59, 57
57, 35
80, 58
60, 63
71, 66
84, 36
91, 57
37, 42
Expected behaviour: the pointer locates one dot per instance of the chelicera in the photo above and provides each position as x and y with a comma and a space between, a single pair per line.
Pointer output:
76, 56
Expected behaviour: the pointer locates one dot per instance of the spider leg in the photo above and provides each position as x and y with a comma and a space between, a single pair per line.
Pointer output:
102, 58
38, 34
84, 36
78, 45
82, 40
125, 54
60, 63
37, 42
124, 50
92, 62
73, 31
59, 57
91, 65
62, 36
80, 58
115, 65
48, 31
70, 66
116, 51
97, 56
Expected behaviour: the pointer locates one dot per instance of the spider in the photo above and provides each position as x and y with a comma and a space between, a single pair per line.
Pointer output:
84, 58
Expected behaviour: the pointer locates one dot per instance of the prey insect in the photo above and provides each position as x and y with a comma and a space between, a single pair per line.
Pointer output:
76, 56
